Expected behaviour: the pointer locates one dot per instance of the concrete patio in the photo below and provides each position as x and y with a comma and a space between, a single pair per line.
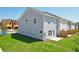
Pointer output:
56, 38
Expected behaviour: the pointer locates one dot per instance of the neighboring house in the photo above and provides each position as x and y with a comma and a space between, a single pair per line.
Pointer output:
15, 24
41, 25
62, 24
9, 23
77, 25
72, 26
66, 25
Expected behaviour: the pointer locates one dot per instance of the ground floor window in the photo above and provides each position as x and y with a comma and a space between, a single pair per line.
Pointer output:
41, 32
16, 27
9, 27
49, 32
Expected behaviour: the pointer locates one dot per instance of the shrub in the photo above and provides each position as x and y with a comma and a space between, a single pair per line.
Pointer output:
63, 33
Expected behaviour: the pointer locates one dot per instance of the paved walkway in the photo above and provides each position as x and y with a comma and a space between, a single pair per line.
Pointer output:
56, 38
1, 50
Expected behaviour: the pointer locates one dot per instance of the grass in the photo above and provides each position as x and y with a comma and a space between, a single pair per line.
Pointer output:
20, 43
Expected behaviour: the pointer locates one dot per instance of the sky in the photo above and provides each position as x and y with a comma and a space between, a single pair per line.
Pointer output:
11, 12
70, 13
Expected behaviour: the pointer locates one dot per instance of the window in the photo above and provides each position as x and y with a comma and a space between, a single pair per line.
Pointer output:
49, 32
9, 27
34, 20
16, 27
49, 22
26, 20
41, 32
10, 23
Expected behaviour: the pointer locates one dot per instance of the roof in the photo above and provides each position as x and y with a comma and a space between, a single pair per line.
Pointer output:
41, 12
58, 17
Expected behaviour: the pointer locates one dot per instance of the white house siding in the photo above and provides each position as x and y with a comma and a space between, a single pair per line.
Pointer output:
63, 26
21, 23
49, 26
73, 26
44, 23
29, 28
76, 26
69, 27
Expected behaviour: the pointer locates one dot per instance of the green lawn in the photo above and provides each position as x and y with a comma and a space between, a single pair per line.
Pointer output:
20, 43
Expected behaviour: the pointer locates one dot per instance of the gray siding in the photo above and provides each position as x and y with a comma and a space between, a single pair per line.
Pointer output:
49, 26
44, 23
29, 28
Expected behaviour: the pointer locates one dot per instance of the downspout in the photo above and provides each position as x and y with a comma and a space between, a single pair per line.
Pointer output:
43, 26
57, 27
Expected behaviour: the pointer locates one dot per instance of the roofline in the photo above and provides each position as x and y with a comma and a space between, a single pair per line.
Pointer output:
58, 17
41, 12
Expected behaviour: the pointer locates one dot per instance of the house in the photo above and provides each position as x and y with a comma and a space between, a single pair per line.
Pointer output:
77, 25
66, 25
15, 24
9, 23
41, 25
71, 25
62, 24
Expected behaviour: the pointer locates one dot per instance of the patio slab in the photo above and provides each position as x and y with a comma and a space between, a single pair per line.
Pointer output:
56, 38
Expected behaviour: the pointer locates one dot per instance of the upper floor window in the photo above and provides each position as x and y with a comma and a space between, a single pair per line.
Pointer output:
34, 20
49, 22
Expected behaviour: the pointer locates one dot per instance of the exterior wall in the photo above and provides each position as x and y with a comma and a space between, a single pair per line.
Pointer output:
15, 24
29, 28
49, 24
72, 27
63, 27
44, 23
77, 26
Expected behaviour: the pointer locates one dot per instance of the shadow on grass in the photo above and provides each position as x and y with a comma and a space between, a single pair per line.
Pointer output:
24, 38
